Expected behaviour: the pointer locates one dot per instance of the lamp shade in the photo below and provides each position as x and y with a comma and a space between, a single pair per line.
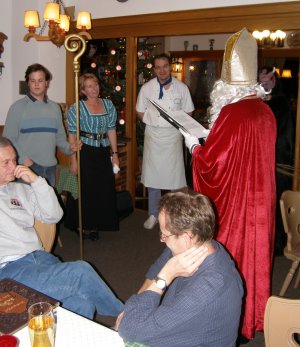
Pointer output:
64, 22
31, 19
51, 11
177, 66
286, 73
84, 21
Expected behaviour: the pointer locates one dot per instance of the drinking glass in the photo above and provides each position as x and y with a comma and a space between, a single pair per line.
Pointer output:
41, 325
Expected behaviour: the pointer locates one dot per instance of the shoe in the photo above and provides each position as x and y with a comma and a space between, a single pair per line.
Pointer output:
242, 340
150, 222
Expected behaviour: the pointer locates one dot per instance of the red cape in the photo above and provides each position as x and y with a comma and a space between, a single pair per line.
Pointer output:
236, 169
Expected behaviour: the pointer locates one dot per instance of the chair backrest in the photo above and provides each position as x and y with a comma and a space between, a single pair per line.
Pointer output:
290, 211
46, 234
281, 322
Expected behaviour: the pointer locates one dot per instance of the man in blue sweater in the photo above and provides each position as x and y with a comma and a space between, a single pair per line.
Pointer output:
34, 126
192, 295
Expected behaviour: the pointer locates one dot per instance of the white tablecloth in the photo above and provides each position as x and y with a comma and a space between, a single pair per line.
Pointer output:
73, 330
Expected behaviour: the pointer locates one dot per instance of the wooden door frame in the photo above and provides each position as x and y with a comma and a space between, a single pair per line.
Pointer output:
283, 15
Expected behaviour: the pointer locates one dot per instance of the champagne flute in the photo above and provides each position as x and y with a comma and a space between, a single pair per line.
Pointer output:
41, 325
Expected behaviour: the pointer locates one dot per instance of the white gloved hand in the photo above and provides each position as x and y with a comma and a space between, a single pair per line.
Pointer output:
116, 169
191, 141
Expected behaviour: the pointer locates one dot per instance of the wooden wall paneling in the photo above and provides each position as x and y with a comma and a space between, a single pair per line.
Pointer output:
296, 178
131, 72
215, 20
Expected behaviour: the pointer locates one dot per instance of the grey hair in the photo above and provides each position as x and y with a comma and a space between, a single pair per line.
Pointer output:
4, 142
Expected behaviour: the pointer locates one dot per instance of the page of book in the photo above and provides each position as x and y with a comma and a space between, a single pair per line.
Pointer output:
181, 120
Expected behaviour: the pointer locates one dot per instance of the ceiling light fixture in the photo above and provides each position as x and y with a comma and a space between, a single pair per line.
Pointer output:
59, 22
269, 39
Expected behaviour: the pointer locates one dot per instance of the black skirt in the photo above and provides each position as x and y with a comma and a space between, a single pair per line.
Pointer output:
98, 196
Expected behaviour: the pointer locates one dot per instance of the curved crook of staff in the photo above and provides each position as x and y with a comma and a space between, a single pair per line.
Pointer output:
74, 43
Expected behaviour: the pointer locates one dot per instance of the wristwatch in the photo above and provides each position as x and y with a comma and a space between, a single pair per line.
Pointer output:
160, 283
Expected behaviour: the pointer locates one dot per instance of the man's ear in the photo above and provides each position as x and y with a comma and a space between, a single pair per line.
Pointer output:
189, 236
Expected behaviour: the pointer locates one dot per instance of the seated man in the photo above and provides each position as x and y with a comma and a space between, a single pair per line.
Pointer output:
75, 284
193, 293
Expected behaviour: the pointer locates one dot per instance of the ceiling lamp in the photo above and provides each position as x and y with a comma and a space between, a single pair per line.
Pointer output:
59, 23
268, 39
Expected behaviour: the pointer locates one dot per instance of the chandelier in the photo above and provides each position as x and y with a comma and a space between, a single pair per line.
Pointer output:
268, 39
58, 21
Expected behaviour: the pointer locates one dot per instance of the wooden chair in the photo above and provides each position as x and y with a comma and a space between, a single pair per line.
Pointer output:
281, 322
47, 233
290, 211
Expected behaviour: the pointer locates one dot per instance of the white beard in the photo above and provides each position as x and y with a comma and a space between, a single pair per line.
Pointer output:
224, 94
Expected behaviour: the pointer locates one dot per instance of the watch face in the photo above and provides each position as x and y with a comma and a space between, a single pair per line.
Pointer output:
161, 284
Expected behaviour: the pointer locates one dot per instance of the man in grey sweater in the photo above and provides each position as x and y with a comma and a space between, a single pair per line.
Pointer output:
34, 126
22, 257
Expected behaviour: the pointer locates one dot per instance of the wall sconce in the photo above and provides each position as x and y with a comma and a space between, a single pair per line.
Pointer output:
84, 23
1, 67
286, 73
177, 66
269, 39
59, 23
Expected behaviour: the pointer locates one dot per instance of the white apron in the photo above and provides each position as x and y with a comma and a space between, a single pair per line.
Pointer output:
163, 165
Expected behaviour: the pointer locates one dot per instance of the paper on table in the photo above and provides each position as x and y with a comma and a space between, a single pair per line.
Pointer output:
181, 120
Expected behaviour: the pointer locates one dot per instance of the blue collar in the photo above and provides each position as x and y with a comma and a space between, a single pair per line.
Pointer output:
32, 98
161, 86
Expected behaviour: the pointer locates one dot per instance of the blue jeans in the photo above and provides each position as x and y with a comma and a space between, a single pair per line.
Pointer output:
154, 196
75, 284
47, 172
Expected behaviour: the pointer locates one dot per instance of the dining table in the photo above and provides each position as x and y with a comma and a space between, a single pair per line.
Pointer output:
73, 330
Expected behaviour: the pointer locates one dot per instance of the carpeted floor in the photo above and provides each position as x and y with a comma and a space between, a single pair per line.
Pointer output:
123, 258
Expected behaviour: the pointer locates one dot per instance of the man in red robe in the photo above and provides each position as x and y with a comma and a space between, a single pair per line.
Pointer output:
236, 169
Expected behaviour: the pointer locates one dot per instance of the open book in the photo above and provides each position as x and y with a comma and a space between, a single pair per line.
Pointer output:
181, 120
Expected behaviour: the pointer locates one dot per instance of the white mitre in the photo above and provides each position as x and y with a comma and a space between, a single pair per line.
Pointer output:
240, 59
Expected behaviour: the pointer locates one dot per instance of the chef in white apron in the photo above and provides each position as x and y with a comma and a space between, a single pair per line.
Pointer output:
163, 164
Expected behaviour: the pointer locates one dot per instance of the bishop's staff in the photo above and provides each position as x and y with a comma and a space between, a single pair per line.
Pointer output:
74, 43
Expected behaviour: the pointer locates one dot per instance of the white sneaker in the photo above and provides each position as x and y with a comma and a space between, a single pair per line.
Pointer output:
150, 222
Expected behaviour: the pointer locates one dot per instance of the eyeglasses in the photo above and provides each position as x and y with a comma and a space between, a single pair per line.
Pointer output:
164, 237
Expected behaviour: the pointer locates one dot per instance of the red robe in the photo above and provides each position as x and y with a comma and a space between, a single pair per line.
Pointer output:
236, 169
